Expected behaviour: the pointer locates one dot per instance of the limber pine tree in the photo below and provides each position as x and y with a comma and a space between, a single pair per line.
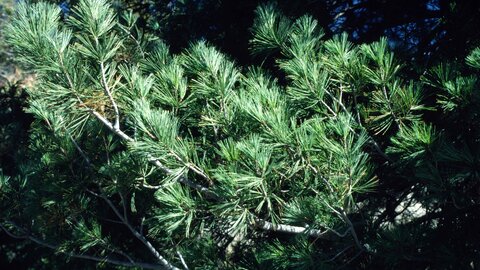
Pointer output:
200, 162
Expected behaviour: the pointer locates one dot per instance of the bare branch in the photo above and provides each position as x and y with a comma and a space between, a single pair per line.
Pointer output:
185, 266
230, 249
124, 206
84, 156
110, 126
138, 235
352, 230
268, 226
108, 92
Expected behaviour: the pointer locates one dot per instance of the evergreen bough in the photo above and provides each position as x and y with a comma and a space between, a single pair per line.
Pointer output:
208, 165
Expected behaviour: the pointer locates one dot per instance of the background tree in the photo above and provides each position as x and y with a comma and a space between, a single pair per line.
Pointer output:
425, 30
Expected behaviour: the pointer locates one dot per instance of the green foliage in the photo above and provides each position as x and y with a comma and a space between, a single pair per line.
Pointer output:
457, 91
414, 143
177, 209
270, 30
474, 58
204, 163
401, 106
300, 255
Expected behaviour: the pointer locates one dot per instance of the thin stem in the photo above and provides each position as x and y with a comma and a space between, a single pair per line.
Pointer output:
110, 126
355, 103
192, 167
352, 230
139, 46
389, 103
321, 177
122, 254
84, 156
43, 243
371, 140
185, 266
106, 150
145, 185
341, 213
183, 179
125, 216
108, 91
138, 235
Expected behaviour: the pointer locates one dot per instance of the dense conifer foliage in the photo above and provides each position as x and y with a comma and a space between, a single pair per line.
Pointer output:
334, 157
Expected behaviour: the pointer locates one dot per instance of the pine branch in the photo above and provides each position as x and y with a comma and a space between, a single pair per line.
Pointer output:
265, 225
110, 126
268, 226
230, 249
82, 153
152, 159
390, 107
343, 215
352, 230
192, 167
138, 235
206, 61
185, 266
108, 91
75, 255
204, 190
371, 140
